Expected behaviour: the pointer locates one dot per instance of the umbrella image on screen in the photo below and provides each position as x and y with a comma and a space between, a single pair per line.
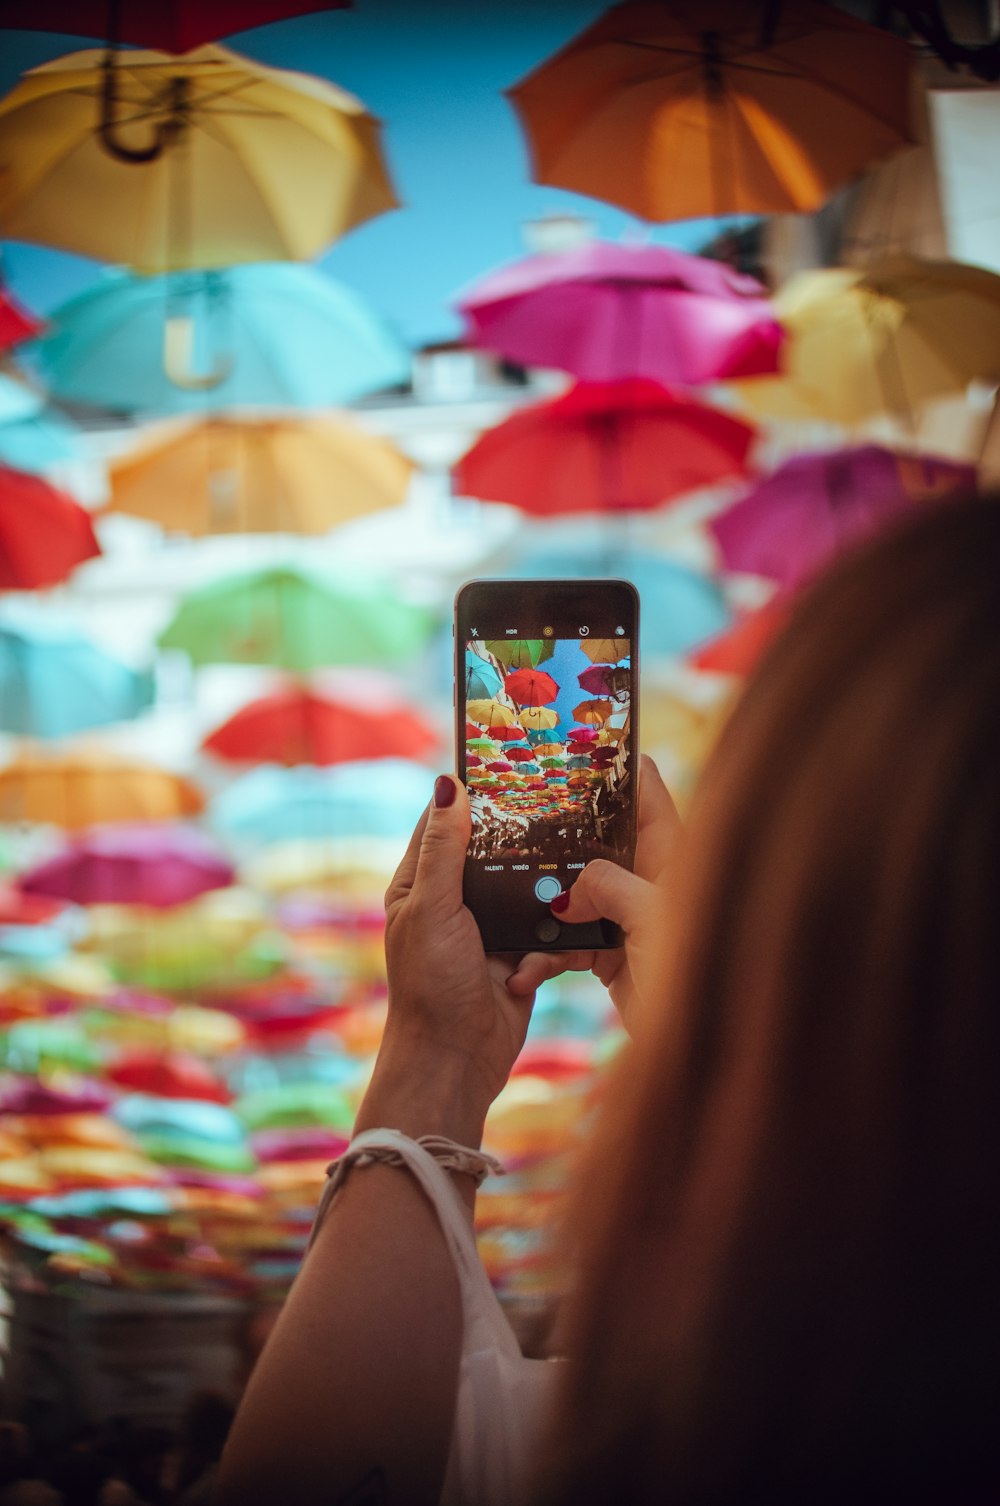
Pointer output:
612, 446
159, 865
607, 312
212, 159
44, 533
483, 681
815, 506
492, 713
90, 788
297, 725
593, 713
267, 336
296, 620
54, 682
289, 475
674, 111
880, 339
531, 687
520, 653
538, 718
606, 680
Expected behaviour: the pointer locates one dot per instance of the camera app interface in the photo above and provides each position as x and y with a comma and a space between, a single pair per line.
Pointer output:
547, 752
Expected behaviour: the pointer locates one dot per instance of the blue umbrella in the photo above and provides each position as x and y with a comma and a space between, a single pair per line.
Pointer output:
482, 681
265, 335
678, 607
380, 798
18, 401
53, 682
37, 442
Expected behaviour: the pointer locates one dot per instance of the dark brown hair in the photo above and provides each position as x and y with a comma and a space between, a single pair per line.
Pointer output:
790, 1231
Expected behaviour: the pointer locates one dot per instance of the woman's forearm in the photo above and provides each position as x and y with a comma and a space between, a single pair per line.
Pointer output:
354, 1394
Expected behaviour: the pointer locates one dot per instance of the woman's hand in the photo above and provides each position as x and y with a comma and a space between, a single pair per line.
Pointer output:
454, 1028
635, 901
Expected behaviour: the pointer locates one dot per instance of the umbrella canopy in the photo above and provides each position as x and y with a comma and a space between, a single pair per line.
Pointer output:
270, 336
606, 679
880, 339
90, 788
38, 442
298, 726
483, 681
520, 653
491, 713
16, 323
617, 446
382, 799
606, 650
174, 25
292, 475
54, 682
531, 687
605, 312
158, 866
816, 505
268, 165
298, 621
593, 713
736, 651
674, 111
44, 534
538, 718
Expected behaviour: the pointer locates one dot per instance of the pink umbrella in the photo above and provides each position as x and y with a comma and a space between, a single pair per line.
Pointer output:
605, 311
583, 734
500, 766
606, 679
814, 506
604, 446
139, 865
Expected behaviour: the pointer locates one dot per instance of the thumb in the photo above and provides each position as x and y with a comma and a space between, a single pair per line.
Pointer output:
441, 858
604, 891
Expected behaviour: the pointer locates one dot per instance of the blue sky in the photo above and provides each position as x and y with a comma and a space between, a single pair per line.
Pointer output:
433, 71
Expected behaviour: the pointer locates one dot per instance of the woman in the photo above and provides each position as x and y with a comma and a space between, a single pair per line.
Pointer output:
789, 1235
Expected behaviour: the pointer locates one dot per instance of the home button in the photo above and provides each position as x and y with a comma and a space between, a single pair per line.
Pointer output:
547, 929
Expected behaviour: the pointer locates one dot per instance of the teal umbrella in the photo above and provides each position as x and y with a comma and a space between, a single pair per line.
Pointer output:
482, 680
53, 682
264, 335
379, 798
38, 442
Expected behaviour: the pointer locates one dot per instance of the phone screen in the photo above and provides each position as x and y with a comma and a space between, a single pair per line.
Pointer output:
546, 702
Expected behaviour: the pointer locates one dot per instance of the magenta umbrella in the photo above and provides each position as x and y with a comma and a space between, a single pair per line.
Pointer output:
605, 312
606, 679
815, 506
155, 865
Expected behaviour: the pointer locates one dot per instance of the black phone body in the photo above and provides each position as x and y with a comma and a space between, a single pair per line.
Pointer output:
547, 737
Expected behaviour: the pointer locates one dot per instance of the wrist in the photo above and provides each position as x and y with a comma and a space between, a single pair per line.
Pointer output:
421, 1089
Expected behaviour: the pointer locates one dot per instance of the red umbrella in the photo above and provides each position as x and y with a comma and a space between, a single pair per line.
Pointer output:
736, 651
583, 734
16, 324
606, 312
172, 25
295, 725
520, 755
816, 505
157, 865
17, 909
604, 446
500, 766
44, 534
531, 687
174, 1074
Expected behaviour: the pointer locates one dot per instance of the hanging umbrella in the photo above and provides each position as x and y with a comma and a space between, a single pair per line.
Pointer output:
54, 682
816, 505
39, 442
521, 653
483, 681
245, 162
606, 650
617, 446
381, 799
271, 336
606, 312
593, 713
491, 713
289, 475
531, 687
880, 339
538, 718
606, 679
675, 112
298, 621
521, 756
736, 651
16, 323
159, 866
92, 787
44, 534
298, 726
176, 26
483, 745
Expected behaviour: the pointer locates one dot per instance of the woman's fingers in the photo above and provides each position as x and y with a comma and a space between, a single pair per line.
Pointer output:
434, 861
659, 823
536, 967
604, 891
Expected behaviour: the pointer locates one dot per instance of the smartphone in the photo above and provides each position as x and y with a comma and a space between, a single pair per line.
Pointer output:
546, 681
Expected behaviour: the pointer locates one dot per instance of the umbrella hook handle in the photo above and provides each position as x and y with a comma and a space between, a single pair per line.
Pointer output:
178, 366
165, 131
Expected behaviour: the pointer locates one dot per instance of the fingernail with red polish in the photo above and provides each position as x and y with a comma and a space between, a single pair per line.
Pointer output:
444, 791
561, 902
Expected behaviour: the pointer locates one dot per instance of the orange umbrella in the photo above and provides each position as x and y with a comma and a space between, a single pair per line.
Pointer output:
593, 713
80, 789
288, 475
736, 651
296, 725
674, 111
44, 534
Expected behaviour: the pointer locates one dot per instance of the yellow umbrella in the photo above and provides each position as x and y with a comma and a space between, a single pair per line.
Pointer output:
880, 339
253, 163
538, 718
289, 475
606, 650
491, 713
85, 788
593, 713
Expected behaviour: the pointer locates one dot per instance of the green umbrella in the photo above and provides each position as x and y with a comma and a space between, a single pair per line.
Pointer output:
521, 653
295, 620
